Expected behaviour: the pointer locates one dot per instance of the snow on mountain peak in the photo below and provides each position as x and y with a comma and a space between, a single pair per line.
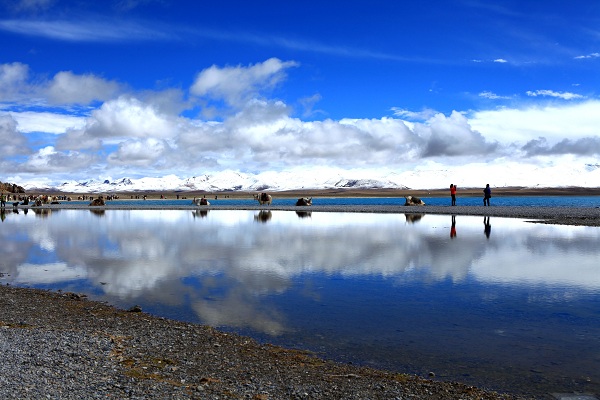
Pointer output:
504, 175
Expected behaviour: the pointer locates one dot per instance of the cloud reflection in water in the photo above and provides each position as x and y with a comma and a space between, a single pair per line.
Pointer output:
234, 261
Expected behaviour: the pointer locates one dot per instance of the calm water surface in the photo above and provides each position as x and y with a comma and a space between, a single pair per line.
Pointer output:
527, 201
499, 303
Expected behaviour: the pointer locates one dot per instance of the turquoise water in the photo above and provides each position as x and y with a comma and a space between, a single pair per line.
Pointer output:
494, 302
528, 201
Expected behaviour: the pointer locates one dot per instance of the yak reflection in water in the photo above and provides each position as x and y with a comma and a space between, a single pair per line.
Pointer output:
304, 214
263, 216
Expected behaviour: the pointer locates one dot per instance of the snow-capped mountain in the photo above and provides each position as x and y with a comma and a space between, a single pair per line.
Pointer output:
506, 175
227, 181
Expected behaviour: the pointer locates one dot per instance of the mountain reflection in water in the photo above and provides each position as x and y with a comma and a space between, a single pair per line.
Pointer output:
516, 308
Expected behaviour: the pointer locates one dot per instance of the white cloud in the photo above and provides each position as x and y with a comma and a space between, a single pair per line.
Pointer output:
493, 96
152, 133
12, 142
13, 80
48, 161
308, 103
236, 85
141, 153
554, 122
452, 136
551, 93
65, 88
30, 121
500, 60
85, 30
130, 117
422, 115
68, 88
587, 56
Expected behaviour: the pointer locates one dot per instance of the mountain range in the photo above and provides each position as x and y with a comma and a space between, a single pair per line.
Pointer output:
587, 175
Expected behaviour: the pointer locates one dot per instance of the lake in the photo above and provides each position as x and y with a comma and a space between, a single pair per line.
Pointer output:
498, 303
526, 201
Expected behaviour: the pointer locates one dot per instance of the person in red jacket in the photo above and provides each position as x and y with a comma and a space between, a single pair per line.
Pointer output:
453, 193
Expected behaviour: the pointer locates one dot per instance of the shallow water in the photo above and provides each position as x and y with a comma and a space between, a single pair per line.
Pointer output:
511, 306
527, 201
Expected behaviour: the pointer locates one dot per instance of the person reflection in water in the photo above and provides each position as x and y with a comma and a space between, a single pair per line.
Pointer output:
453, 228
487, 227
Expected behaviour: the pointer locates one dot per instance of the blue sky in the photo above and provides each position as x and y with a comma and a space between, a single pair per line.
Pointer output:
112, 89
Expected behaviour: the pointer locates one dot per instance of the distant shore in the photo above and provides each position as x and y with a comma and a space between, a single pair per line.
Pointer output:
342, 192
587, 216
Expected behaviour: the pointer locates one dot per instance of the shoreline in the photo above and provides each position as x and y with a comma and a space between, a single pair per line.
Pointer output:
62, 345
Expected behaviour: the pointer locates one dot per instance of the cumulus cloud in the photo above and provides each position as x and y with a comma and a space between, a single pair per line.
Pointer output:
65, 88
236, 85
13, 81
12, 142
452, 136
130, 117
587, 146
78, 139
152, 131
127, 123
48, 161
148, 152
68, 88
265, 136
554, 122
49, 122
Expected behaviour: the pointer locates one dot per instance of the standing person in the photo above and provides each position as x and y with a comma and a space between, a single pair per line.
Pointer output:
453, 193
487, 195
2, 200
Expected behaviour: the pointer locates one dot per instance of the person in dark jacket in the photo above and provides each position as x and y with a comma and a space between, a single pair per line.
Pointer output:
487, 195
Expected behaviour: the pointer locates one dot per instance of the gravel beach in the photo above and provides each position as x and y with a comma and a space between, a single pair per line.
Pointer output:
63, 346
